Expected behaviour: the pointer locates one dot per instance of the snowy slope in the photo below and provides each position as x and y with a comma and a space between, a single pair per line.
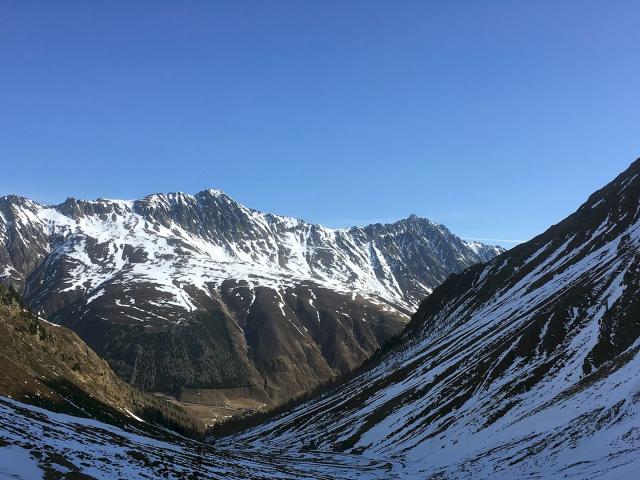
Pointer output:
525, 366
37, 444
182, 292
176, 239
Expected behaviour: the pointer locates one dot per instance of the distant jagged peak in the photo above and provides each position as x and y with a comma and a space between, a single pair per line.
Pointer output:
412, 223
15, 198
204, 198
18, 200
169, 197
77, 208
213, 192
415, 219
216, 201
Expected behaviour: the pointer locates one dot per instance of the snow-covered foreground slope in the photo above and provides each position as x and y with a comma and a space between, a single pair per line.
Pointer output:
37, 444
195, 295
525, 366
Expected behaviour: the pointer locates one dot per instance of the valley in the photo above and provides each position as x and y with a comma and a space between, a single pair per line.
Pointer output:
523, 365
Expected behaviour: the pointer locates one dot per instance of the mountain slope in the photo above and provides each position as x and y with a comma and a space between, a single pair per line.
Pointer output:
525, 366
203, 298
50, 366
57, 375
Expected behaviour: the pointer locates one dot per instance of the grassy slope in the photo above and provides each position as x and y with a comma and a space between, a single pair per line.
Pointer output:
50, 366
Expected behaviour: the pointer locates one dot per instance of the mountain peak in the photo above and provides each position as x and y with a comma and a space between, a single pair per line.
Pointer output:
216, 192
417, 220
212, 192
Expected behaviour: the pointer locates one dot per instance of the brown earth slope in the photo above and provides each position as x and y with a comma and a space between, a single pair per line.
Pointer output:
50, 366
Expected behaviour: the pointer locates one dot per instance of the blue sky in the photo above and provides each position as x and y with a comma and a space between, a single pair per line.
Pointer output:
496, 118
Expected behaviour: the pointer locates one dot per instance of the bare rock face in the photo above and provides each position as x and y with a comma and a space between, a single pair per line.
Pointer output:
181, 292
526, 366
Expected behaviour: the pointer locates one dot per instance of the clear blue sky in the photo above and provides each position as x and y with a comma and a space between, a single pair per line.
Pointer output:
496, 118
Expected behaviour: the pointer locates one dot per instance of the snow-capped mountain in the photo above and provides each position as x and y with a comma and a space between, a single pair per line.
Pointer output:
523, 367
187, 294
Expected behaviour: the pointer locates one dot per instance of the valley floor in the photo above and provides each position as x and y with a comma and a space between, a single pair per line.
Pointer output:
212, 409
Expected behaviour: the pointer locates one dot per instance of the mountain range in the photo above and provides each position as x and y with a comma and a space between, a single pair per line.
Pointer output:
523, 366
203, 299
